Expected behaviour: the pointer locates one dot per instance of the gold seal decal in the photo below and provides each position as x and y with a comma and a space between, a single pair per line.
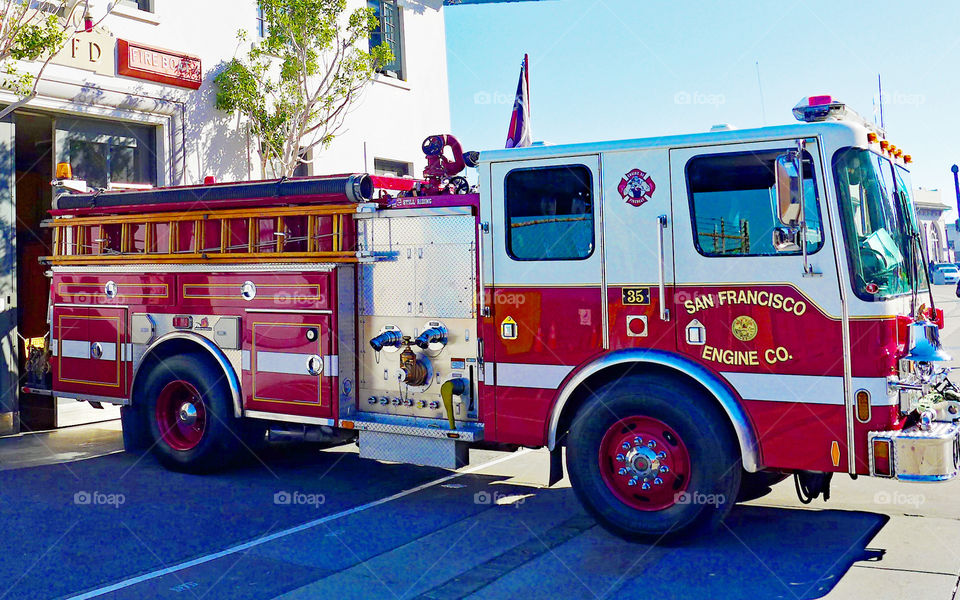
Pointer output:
744, 328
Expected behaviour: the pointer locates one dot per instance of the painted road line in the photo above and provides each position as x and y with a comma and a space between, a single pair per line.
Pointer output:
287, 532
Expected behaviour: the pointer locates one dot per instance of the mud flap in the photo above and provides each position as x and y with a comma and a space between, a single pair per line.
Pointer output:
135, 435
556, 466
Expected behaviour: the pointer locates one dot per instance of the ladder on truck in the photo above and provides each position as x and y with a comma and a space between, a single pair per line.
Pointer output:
281, 234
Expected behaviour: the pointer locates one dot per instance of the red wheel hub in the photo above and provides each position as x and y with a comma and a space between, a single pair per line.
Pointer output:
181, 416
644, 463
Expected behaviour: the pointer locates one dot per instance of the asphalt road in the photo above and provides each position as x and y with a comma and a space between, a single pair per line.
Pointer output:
310, 524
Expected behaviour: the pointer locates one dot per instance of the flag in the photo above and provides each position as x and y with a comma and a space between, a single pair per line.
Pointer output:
519, 134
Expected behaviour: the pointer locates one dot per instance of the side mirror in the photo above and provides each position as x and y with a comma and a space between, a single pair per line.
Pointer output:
787, 185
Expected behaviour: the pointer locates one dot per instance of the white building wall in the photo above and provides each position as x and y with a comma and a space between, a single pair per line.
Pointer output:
390, 119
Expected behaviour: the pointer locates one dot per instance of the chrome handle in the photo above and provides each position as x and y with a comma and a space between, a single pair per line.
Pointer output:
661, 226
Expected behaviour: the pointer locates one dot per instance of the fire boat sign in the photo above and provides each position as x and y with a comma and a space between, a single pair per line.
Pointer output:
636, 187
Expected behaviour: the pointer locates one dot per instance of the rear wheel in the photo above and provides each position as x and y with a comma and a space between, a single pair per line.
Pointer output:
190, 414
651, 457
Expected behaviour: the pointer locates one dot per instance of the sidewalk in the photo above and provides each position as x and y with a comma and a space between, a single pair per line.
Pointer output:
61, 445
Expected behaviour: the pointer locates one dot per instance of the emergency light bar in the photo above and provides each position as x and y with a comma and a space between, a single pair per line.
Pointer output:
819, 108
825, 107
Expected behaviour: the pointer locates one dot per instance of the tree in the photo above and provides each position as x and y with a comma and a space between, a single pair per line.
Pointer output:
295, 87
36, 30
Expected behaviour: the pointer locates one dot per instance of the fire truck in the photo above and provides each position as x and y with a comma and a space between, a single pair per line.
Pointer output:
690, 317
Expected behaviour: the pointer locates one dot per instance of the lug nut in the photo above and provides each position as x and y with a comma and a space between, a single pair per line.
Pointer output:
638, 441
622, 471
652, 444
632, 482
621, 458
657, 481
625, 445
664, 469
645, 486
372, 400
661, 455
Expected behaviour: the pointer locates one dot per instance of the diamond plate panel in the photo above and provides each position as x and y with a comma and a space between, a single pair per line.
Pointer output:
426, 266
429, 452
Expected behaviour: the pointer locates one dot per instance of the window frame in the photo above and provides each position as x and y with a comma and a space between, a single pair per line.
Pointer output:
508, 238
135, 5
693, 213
261, 22
400, 59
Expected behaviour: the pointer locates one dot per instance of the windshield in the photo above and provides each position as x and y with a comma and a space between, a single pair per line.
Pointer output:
877, 224
909, 212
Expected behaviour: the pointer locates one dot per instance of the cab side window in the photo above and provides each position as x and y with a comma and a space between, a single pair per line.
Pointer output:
550, 213
733, 204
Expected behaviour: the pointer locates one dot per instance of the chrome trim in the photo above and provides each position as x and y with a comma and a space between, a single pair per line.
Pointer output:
841, 266
664, 311
292, 311
604, 295
92, 398
266, 416
211, 348
749, 445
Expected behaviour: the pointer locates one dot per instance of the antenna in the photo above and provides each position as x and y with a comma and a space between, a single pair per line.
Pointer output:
763, 108
880, 88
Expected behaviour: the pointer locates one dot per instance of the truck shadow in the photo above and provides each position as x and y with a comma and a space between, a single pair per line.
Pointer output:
538, 543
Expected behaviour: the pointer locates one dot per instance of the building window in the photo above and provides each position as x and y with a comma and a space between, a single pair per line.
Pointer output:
391, 32
144, 5
305, 167
104, 153
392, 168
733, 204
261, 24
550, 213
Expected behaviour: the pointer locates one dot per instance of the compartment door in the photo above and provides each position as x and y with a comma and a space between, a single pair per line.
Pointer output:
287, 364
91, 351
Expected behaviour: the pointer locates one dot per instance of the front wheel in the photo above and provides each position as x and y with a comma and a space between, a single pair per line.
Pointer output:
652, 457
190, 414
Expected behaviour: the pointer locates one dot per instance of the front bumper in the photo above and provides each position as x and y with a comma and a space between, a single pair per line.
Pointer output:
916, 455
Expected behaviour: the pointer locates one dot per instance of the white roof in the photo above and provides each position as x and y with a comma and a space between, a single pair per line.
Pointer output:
855, 134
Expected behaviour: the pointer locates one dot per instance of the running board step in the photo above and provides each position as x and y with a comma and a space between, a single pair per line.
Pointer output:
444, 453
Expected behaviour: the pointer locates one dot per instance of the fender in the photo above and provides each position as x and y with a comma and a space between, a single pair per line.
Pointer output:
716, 386
212, 349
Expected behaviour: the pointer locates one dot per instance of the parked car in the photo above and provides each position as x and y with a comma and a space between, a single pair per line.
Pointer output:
945, 273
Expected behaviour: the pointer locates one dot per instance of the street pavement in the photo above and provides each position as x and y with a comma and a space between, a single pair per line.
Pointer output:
300, 523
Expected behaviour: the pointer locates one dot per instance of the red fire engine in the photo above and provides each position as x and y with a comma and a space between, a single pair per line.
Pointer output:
689, 316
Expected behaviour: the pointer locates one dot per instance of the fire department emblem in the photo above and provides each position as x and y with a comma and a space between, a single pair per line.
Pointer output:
636, 187
744, 328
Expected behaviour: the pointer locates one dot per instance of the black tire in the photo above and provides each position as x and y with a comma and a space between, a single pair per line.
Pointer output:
713, 470
220, 436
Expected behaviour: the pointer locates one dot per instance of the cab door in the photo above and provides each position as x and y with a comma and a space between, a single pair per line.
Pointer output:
545, 299
745, 307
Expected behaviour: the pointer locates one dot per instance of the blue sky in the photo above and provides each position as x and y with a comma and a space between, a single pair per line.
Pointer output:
609, 69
